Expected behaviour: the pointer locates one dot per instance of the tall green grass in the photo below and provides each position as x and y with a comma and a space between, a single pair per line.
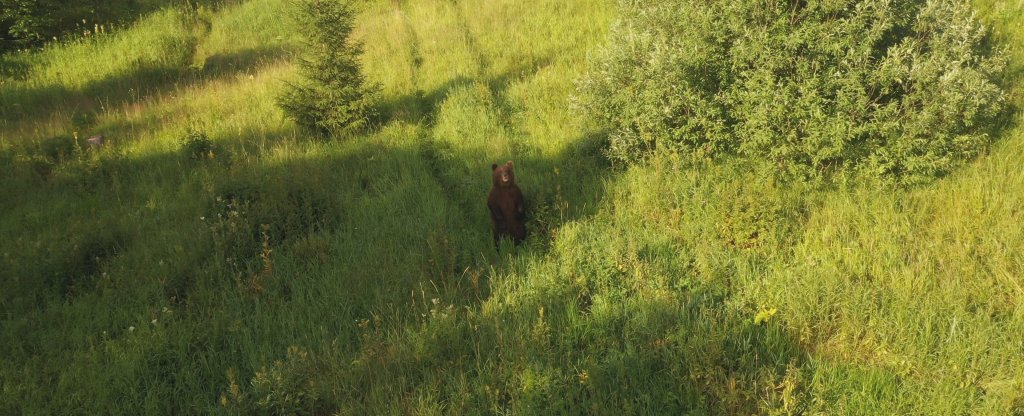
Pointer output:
275, 272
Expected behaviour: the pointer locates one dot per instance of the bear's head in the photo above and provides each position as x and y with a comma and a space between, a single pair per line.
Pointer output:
502, 176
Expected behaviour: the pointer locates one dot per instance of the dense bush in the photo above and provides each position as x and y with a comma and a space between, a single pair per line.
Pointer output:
331, 96
897, 89
198, 146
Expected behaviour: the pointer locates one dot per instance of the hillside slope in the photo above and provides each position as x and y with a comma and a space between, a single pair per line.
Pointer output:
263, 270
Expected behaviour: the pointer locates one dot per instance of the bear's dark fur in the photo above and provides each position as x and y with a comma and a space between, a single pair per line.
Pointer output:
506, 205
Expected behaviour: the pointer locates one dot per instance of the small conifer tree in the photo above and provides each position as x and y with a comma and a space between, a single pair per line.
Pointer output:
331, 95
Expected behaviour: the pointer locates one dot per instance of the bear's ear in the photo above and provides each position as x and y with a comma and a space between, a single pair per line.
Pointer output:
509, 163
494, 166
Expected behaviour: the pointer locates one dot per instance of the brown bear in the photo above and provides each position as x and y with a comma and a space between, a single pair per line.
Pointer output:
506, 205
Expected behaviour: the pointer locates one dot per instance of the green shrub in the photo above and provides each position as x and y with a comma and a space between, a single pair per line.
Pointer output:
902, 90
198, 146
284, 388
31, 168
58, 148
83, 120
331, 95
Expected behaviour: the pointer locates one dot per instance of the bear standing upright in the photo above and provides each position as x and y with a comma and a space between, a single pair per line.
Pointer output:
506, 205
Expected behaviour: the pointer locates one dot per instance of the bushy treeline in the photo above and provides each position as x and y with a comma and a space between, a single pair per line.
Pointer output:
903, 90
26, 23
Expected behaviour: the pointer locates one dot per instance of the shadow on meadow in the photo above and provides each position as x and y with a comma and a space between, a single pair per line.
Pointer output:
200, 226
576, 330
12, 68
92, 190
559, 188
26, 106
345, 232
360, 256
423, 105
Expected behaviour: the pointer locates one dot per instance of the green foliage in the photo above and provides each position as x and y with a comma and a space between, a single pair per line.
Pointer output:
198, 146
758, 215
902, 90
26, 23
58, 148
29, 168
332, 95
285, 388
27, 20
83, 120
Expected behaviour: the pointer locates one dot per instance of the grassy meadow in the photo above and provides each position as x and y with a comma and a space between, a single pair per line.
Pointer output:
214, 258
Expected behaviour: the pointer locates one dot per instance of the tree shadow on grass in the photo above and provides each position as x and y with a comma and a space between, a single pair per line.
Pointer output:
558, 189
422, 106
12, 69
246, 60
26, 106
353, 232
554, 347
290, 204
